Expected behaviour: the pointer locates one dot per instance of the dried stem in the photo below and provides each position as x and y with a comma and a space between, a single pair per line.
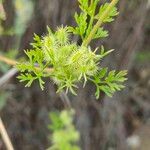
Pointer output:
5, 136
14, 63
7, 76
65, 100
8, 61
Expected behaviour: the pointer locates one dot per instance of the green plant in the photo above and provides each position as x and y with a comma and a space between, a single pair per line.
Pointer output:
85, 27
64, 135
67, 63
57, 57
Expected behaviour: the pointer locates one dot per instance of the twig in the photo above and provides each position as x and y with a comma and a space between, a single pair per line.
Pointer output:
14, 63
65, 100
7, 76
8, 61
5, 136
99, 22
3, 131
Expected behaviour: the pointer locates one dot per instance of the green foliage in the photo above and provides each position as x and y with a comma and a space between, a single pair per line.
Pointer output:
86, 19
36, 57
108, 82
64, 135
111, 15
57, 57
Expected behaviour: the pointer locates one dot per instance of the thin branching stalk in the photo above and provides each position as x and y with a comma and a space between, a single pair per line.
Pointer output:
5, 136
8, 61
65, 100
7, 76
99, 22
14, 63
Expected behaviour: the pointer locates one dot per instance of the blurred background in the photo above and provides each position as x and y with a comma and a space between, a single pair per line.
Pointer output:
118, 123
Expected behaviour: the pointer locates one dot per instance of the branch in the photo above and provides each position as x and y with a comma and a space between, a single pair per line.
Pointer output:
8, 61
65, 100
5, 136
7, 76
14, 63
99, 22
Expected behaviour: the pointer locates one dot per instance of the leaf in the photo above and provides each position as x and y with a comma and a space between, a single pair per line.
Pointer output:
41, 82
83, 5
37, 44
82, 24
104, 53
101, 33
97, 93
26, 77
111, 15
102, 73
110, 83
106, 90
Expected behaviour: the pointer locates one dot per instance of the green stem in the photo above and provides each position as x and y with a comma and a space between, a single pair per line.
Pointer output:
90, 26
91, 19
99, 22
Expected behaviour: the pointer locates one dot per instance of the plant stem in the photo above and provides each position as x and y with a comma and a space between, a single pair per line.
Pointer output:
5, 136
65, 100
8, 61
7, 76
99, 22
14, 63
